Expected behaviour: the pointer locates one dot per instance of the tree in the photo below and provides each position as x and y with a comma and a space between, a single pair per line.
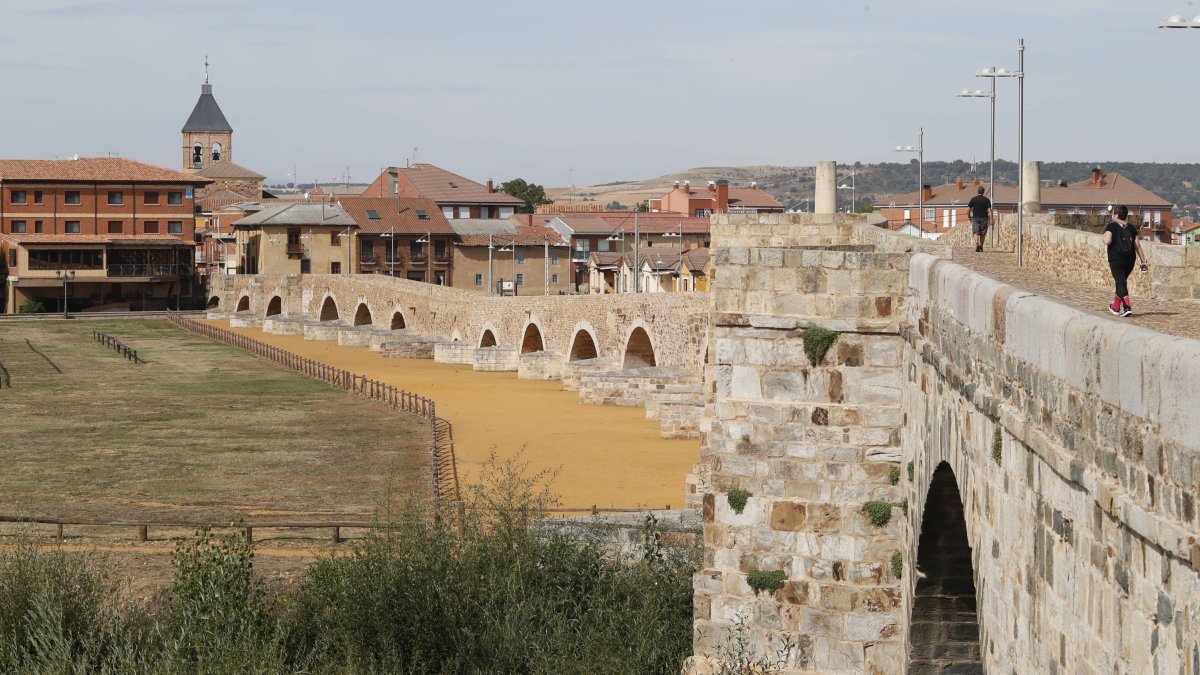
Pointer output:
530, 193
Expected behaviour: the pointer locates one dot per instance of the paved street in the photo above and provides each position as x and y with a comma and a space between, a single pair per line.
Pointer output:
1177, 317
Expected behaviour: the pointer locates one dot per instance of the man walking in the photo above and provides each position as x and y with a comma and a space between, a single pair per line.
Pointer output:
978, 208
1124, 249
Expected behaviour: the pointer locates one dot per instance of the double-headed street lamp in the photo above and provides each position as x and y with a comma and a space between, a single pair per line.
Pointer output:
679, 272
1177, 21
850, 187
620, 286
979, 93
920, 150
993, 73
65, 277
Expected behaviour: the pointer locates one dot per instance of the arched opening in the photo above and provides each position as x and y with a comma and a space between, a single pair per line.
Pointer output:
329, 311
362, 315
214, 302
944, 633
197, 156
583, 347
216, 152
488, 339
275, 306
532, 340
244, 304
397, 321
639, 352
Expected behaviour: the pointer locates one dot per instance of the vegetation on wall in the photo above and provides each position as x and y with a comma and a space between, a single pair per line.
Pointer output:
737, 499
766, 580
817, 342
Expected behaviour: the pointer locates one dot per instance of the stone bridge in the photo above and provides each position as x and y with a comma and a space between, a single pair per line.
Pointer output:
972, 477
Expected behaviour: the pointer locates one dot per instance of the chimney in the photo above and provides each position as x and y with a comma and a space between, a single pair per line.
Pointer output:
753, 185
687, 187
1063, 183
722, 196
960, 184
927, 192
528, 216
489, 186
676, 187
712, 186
1096, 176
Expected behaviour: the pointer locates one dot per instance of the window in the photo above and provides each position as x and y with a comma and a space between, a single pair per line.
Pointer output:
174, 227
305, 266
197, 156
554, 258
37, 196
478, 279
649, 242
115, 198
18, 227
521, 256
372, 214
65, 259
19, 196
71, 197
216, 152
703, 213
150, 199
37, 226
929, 214
150, 227
520, 278
175, 198
71, 227
115, 227
422, 215
335, 239
554, 277
335, 267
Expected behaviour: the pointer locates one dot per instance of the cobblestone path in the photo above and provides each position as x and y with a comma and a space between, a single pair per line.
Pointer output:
1175, 317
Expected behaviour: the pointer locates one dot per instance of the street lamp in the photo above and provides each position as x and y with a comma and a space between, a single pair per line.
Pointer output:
428, 255
850, 187
920, 150
993, 73
66, 277
349, 244
679, 272
391, 236
1177, 21
618, 236
979, 93
512, 246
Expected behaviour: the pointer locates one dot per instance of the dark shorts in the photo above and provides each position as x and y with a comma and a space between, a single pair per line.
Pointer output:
979, 225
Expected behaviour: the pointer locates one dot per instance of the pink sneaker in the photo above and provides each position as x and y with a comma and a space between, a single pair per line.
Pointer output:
1115, 307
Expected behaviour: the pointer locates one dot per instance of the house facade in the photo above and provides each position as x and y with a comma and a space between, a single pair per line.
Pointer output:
508, 257
405, 237
457, 197
296, 238
121, 231
718, 197
621, 231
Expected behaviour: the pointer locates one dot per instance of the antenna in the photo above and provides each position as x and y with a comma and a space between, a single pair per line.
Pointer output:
206, 69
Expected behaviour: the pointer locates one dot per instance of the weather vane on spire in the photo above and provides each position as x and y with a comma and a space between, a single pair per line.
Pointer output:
206, 69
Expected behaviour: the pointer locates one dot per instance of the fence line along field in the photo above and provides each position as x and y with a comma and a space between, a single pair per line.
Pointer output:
197, 432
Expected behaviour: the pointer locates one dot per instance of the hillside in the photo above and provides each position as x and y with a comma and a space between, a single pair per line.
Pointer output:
1177, 183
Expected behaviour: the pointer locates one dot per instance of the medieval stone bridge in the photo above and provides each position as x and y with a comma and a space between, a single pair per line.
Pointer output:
971, 478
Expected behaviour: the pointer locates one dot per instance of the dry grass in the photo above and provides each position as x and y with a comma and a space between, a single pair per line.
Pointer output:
200, 432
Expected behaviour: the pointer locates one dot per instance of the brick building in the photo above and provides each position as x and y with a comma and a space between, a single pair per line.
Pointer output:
404, 237
621, 231
123, 230
718, 197
456, 197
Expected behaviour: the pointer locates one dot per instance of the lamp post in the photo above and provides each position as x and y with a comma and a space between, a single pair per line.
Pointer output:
850, 187
426, 240
66, 277
349, 244
677, 235
391, 237
489, 280
619, 236
512, 246
979, 93
920, 150
1177, 21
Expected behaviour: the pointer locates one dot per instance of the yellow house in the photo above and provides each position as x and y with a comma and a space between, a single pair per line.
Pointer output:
695, 271
297, 238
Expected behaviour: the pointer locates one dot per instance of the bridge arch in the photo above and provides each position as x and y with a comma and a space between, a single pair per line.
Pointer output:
244, 304
944, 628
531, 338
398, 322
362, 315
329, 309
487, 336
639, 349
583, 343
275, 306
214, 302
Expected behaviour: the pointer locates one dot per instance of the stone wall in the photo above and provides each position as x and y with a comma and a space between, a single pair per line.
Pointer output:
676, 322
1076, 449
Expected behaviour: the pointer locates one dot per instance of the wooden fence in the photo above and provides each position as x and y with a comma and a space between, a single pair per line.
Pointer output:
443, 466
117, 346
144, 526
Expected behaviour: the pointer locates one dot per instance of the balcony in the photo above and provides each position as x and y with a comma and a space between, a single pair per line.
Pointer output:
441, 258
418, 258
161, 270
296, 250
580, 256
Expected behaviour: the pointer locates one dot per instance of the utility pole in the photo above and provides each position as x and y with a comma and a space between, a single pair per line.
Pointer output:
489, 281
545, 264
637, 247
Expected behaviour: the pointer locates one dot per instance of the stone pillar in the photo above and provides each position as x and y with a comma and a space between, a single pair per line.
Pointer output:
825, 200
1031, 179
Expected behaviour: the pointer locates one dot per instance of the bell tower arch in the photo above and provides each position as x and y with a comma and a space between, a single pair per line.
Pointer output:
207, 135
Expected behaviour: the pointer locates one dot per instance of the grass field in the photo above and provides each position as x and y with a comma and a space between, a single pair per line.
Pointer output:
200, 432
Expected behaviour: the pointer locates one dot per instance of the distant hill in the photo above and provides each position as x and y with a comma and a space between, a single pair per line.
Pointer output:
1177, 183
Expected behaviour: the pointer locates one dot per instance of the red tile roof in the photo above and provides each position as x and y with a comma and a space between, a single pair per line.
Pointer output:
396, 215
610, 222
523, 235
1113, 189
445, 187
92, 169
114, 239
229, 170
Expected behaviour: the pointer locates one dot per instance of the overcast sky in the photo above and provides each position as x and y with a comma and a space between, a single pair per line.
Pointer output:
559, 91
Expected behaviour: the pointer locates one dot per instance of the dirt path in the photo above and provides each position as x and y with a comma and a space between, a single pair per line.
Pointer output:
609, 456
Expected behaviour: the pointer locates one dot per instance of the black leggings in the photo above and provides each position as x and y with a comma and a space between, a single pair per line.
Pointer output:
1120, 271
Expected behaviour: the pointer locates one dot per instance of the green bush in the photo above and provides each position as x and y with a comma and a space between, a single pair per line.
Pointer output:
817, 342
894, 475
997, 445
879, 513
910, 471
737, 499
32, 306
897, 565
766, 580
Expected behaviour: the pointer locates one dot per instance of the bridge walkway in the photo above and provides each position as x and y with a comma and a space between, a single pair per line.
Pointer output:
1174, 317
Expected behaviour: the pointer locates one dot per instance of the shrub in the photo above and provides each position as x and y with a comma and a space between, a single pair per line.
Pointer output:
736, 655
879, 513
898, 565
31, 306
894, 475
766, 580
910, 471
737, 499
817, 342
997, 445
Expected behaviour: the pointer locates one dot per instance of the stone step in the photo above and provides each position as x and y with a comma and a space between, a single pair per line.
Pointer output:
412, 346
497, 359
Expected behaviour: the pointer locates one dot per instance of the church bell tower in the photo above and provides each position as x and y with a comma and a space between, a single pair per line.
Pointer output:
207, 136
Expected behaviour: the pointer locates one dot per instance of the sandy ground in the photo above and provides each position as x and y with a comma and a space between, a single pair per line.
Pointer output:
608, 456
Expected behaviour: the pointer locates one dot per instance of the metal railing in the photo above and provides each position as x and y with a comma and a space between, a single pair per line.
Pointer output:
443, 465
143, 270
117, 346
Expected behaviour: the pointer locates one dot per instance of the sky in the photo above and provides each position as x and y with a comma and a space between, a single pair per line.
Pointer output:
563, 93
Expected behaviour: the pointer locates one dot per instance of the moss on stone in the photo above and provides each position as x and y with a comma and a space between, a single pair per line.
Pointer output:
997, 445
766, 580
737, 499
910, 471
894, 475
898, 565
879, 513
817, 342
